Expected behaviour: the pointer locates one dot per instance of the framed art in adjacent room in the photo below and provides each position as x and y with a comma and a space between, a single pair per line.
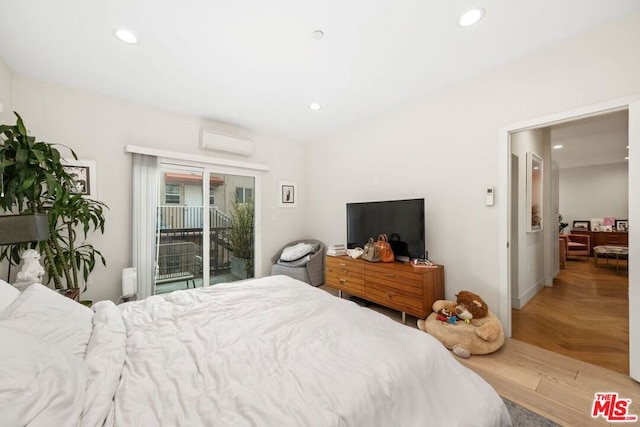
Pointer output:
84, 177
582, 225
288, 194
534, 192
622, 225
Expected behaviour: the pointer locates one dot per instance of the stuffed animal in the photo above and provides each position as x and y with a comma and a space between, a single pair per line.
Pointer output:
481, 333
447, 313
470, 306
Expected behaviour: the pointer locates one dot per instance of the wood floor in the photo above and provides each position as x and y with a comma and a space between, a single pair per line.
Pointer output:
585, 315
555, 386
560, 387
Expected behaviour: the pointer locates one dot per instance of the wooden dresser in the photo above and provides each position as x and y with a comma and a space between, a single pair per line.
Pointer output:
395, 285
604, 238
610, 238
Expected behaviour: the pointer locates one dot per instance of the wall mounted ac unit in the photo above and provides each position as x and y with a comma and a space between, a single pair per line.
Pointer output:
215, 141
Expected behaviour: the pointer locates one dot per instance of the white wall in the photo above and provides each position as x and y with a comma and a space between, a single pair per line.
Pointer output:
445, 147
531, 249
6, 95
98, 127
594, 192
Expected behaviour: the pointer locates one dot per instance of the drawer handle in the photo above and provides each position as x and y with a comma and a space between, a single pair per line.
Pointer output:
343, 280
390, 275
391, 294
342, 264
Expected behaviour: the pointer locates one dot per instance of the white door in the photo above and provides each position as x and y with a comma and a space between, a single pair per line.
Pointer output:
634, 239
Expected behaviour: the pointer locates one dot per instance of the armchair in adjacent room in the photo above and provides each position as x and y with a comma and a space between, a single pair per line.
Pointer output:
302, 260
575, 245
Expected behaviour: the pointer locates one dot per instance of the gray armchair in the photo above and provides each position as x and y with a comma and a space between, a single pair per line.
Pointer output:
312, 271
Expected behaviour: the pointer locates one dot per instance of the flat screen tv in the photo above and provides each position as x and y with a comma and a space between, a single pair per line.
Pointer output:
404, 218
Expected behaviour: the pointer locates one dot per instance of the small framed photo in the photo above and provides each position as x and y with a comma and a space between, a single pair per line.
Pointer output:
288, 194
84, 177
584, 225
622, 225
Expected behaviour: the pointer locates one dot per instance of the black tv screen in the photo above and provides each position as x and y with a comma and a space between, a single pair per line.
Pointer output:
404, 218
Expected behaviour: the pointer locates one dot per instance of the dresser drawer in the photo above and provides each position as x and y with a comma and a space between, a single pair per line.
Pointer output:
396, 280
344, 274
396, 298
614, 239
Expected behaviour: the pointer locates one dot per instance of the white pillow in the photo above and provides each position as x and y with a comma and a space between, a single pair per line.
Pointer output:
53, 317
8, 293
292, 253
41, 384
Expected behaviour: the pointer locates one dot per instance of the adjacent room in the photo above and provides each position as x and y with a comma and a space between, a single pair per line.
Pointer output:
181, 183
587, 299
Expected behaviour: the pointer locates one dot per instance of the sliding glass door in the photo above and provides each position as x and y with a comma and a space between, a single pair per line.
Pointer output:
205, 230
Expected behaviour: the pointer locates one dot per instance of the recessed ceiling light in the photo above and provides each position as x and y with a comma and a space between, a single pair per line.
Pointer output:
557, 147
314, 106
471, 16
317, 34
126, 36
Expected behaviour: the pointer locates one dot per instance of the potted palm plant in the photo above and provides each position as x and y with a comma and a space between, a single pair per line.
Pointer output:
34, 181
241, 239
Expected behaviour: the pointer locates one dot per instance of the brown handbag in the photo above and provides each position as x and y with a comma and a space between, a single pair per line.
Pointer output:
384, 249
370, 252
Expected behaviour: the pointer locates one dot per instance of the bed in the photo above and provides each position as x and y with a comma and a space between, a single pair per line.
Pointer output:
265, 352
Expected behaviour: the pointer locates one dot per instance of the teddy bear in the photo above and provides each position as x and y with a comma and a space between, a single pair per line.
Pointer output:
470, 306
480, 332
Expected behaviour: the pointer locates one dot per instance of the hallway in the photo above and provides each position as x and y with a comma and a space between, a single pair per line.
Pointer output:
585, 315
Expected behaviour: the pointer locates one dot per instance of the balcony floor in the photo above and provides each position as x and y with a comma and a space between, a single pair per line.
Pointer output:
165, 288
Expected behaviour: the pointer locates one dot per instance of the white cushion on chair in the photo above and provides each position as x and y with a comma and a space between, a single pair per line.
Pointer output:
292, 253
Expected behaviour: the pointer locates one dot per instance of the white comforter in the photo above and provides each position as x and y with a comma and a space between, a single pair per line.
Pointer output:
273, 352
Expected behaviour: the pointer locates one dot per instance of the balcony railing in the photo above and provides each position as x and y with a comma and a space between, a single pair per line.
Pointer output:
185, 224
171, 216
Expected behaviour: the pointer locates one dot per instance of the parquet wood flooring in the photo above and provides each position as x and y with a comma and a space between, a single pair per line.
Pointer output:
585, 315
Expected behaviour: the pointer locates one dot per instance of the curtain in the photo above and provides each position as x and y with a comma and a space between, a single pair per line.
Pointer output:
145, 200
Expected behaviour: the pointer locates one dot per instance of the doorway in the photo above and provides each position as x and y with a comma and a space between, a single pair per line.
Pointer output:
199, 234
633, 106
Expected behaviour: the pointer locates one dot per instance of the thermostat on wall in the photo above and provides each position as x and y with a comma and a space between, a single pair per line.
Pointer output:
489, 196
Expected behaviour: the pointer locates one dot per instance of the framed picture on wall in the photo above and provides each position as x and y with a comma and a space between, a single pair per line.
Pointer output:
288, 194
84, 177
534, 192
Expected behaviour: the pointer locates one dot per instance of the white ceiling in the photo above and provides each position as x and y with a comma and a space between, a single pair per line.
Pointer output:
255, 64
593, 141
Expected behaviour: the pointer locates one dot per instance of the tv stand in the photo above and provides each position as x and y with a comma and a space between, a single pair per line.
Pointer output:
395, 285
